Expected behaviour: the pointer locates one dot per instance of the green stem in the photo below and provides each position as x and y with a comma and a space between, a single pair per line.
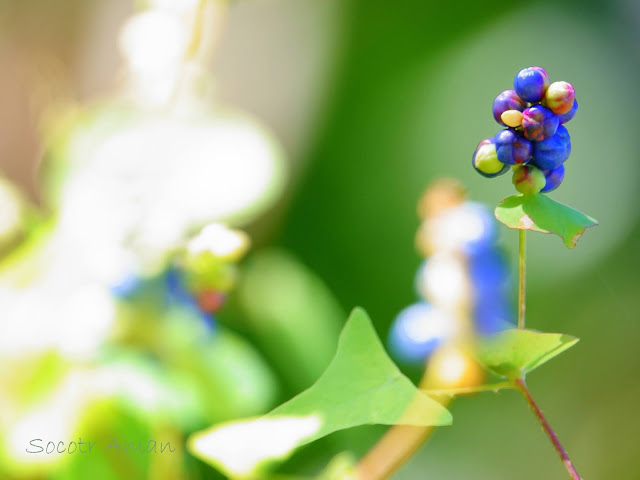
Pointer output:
522, 387
523, 283
468, 390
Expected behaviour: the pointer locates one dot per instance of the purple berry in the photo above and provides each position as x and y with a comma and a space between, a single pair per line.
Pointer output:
554, 151
565, 117
539, 123
554, 178
512, 148
531, 84
507, 100
485, 159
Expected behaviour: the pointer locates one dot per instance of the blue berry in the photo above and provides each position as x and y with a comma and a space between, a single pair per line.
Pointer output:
127, 286
489, 273
485, 159
553, 177
539, 123
531, 84
492, 315
418, 330
507, 100
550, 153
481, 231
512, 148
565, 117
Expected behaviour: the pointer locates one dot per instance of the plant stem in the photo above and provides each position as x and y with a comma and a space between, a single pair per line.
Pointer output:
523, 282
468, 390
397, 445
521, 385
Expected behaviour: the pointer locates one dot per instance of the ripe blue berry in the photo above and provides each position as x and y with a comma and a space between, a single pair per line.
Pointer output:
550, 153
565, 117
528, 179
485, 159
531, 84
489, 274
492, 315
418, 330
512, 148
507, 100
553, 178
538, 123
127, 286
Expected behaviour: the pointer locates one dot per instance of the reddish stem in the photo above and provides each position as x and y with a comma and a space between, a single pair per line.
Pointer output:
521, 385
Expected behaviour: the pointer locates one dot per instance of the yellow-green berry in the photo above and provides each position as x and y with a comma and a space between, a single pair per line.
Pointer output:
528, 179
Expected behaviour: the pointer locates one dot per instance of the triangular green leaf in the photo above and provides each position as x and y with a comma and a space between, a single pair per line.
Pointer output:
361, 386
514, 353
541, 214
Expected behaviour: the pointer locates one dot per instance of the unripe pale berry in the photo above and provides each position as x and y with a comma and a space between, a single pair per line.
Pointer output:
550, 153
528, 179
512, 148
485, 159
531, 84
512, 118
565, 117
553, 178
559, 97
507, 100
453, 366
539, 123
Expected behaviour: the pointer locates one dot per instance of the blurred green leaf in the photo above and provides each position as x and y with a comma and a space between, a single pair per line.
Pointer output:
514, 353
361, 386
104, 424
224, 366
291, 313
541, 214
341, 467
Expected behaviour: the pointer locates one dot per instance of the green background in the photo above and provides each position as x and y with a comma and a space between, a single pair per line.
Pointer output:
406, 101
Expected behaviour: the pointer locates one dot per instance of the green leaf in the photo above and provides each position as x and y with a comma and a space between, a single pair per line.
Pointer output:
341, 467
541, 214
291, 313
361, 386
514, 353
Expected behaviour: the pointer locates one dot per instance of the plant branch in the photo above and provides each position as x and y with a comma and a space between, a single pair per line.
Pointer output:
522, 387
395, 447
400, 442
468, 390
522, 274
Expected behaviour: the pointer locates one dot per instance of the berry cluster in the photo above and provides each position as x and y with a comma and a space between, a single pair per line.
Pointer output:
199, 278
463, 283
535, 143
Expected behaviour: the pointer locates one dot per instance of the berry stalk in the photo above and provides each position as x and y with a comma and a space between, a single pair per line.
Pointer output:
522, 387
523, 282
396, 446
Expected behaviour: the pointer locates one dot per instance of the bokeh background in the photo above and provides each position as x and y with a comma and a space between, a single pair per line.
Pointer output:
371, 101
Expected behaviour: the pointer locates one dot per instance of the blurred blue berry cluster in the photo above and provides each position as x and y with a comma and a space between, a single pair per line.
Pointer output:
197, 279
535, 143
463, 283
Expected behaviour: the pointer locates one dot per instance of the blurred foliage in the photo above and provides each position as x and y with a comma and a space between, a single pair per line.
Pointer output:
413, 85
